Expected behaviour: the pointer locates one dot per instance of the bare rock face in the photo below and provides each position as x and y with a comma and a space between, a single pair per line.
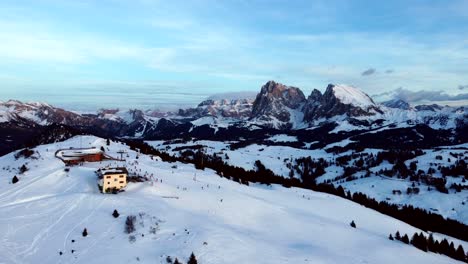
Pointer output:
313, 104
397, 103
275, 101
339, 100
235, 108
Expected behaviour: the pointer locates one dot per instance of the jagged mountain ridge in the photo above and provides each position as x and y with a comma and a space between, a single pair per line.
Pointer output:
235, 108
276, 106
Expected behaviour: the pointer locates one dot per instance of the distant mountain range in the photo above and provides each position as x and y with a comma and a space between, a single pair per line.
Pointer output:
276, 107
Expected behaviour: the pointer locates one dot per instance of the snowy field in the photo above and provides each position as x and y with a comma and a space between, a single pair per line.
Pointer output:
276, 158
186, 210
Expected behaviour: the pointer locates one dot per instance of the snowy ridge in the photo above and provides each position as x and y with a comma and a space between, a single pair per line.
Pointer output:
351, 95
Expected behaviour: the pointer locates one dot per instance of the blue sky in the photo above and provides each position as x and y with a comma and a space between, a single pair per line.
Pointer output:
170, 53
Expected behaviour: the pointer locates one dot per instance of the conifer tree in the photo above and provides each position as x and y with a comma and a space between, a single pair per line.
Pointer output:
437, 246
397, 235
23, 169
460, 253
352, 224
85, 232
192, 259
444, 247
14, 180
419, 241
452, 250
115, 214
431, 244
405, 239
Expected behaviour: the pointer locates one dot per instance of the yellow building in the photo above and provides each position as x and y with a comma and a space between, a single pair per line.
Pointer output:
112, 179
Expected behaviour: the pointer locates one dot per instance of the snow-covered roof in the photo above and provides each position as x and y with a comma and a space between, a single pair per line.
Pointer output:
116, 170
72, 154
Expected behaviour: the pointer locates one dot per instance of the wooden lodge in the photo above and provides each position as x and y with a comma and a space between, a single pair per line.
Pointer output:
78, 156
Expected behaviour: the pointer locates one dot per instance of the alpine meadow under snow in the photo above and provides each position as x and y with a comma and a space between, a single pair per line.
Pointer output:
181, 210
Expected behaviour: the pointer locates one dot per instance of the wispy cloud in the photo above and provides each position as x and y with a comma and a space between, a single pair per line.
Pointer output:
368, 72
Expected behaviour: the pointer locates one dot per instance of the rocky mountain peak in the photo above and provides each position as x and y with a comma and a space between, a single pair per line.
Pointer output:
339, 100
275, 100
291, 96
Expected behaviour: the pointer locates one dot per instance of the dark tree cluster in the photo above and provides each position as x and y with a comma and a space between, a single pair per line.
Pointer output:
394, 155
309, 169
420, 241
25, 153
458, 187
130, 224
414, 216
459, 168
192, 260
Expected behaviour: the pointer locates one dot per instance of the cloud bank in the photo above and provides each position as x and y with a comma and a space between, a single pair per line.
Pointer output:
424, 96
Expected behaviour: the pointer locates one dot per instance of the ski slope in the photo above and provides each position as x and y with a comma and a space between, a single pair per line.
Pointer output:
276, 158
187, 210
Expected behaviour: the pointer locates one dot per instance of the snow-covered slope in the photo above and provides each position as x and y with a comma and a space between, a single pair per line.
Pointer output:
184, 210
279, 158
351, 95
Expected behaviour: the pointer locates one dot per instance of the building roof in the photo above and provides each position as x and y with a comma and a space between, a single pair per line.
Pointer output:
116, 170
76, 154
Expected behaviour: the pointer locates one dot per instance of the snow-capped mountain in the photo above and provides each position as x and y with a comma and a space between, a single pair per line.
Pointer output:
339, 100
